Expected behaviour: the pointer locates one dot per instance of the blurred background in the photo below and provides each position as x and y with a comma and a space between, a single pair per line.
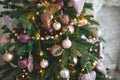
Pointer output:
107, 13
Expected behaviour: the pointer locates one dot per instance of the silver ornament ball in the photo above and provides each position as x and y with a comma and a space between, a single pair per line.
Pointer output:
44, 63
57, 26
7, 57
65, 73
66, 43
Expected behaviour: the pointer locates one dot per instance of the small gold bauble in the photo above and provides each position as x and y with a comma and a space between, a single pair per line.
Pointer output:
37, 35
41, 53
94, 64
82, 21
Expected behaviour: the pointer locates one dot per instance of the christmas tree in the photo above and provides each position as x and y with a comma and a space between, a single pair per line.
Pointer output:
51, 40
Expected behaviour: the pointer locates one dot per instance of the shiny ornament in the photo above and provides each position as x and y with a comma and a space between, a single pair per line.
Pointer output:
77, 4
24, 38
7, 57
66, 43
60, 2
30, 15
30, 63
75, 61
41, 53
44, 63
100, 67
8, 21
46, 20
23, 63
37, 35
97, 33
64, 18
57, 26
54, 49
89, 76
4, 39
68, 27
65, 73
94, 64
82, 21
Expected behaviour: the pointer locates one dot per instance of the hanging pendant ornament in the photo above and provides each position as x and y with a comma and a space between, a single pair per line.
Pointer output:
7, 56
57, 26
24, 38
46, 20
23, 63
97, 33
65, 73
54, 50
30, 63
89, 76
4, 39
44, 63
66, 43
75, 61
100, 67
68, 27
64, 18
77, 4
8, 22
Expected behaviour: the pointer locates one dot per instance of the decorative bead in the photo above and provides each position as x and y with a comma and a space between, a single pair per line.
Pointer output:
42, 38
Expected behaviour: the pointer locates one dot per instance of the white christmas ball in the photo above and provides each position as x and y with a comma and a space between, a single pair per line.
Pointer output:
97, 33
7, 57
44, 63
66, 43
65, 73
57, 26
